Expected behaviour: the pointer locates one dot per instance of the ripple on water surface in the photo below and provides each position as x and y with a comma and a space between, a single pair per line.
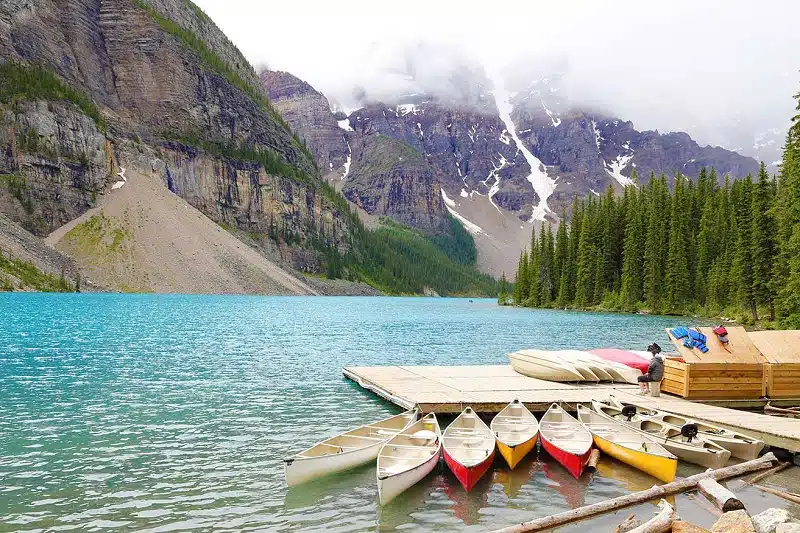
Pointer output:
169, 413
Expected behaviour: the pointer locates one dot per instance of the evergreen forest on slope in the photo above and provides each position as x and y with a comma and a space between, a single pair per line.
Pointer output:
699, 248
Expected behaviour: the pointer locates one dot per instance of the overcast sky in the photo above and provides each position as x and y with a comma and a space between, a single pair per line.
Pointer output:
696, 66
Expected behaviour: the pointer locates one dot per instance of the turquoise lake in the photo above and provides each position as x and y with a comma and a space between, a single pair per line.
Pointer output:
172, 413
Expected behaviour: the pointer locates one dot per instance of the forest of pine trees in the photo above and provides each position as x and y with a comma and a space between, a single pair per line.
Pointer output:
708, 246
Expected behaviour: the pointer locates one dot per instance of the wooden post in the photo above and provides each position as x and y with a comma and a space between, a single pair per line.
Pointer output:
719, 495
591, 464
660, 523
658, 491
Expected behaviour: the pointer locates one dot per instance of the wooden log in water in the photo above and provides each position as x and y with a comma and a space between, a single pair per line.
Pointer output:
766, 474
719, 495
658, 491
660, 523
591, 464
789, 496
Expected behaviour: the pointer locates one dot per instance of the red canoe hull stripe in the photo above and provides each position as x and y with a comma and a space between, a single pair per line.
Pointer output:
468, 476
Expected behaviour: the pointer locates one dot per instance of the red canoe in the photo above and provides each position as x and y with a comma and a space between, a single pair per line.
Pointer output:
625, 357
565, 439
468, 445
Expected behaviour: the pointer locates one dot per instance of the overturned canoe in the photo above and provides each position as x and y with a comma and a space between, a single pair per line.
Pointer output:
565, 439
739, 444
516, 431
692, 449
468, 448
343, 452
408, 457
545, 365
628, 358
628, 445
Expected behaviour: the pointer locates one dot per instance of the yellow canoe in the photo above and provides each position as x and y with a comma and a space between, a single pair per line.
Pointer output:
516, 431
628, 446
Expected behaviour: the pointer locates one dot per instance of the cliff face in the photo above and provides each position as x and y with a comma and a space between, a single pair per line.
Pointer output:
309, 114
180, 102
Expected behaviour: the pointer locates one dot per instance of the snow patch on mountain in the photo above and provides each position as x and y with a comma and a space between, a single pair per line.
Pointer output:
616, 167
472, 228
542, 184
495, 173
345, 124
504, 138
404, 109
349, 160
555, 121
597, 136
419, 127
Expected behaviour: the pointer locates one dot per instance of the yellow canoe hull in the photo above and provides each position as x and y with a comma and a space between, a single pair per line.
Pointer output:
659, 467
514, 454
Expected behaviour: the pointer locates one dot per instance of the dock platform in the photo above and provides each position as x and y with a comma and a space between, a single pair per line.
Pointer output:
489, 388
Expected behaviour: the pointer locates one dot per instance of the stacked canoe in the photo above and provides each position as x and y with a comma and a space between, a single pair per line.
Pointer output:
574, 366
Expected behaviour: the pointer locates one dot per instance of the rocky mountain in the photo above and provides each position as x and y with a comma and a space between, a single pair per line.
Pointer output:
91, 87
499, 160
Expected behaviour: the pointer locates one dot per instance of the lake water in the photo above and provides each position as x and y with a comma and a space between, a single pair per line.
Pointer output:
171, 413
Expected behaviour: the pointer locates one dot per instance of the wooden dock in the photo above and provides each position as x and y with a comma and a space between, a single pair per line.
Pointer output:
488, 388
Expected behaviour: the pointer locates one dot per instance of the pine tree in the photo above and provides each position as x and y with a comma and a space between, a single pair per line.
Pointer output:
633, 253
560, 258
656, 242
524, 280
533, 272
677, 275
787, 280
502, 296
586, 260
546, 267
569, 274
763, 234
743, 259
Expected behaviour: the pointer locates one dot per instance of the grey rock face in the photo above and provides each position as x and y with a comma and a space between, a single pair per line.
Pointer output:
467, 146
388, 177
587, 150
309, 114
60, 162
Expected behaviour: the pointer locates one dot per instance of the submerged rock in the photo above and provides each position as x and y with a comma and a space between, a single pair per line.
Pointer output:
789, 527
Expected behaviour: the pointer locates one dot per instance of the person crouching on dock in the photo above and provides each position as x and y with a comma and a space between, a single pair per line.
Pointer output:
655, 370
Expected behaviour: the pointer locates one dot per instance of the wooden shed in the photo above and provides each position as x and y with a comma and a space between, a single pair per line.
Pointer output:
732, 371
780, 351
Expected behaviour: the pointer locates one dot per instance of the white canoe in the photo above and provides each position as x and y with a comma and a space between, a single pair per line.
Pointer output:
408, 457
738, 444
343, 452
545, 365
597, 366
698, 450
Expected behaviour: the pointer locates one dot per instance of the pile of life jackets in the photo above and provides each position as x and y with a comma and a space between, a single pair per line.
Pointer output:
693, 338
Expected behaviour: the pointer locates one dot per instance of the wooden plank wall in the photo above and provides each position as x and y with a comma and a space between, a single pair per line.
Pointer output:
781, 350
711, 381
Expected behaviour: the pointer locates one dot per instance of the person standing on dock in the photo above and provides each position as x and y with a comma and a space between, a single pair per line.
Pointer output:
655, 370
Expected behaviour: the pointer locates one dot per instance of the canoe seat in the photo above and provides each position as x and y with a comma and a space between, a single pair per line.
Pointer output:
424, 434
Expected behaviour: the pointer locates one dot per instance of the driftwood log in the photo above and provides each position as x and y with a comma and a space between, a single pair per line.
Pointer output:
719, 495
629, 523
660, 523
658, 491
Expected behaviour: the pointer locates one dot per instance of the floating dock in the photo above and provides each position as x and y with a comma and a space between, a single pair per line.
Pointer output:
489, 388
